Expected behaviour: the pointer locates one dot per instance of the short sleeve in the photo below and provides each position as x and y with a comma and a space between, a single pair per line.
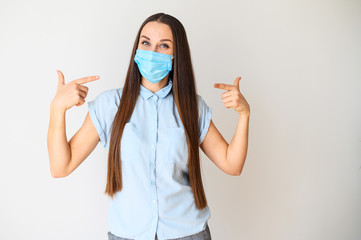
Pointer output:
205, 115
102, 111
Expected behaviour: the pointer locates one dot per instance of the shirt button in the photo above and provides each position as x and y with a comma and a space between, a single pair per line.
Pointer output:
152, 146
153, 201
155, 97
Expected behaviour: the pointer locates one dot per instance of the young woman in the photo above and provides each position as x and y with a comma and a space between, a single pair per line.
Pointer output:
152, 127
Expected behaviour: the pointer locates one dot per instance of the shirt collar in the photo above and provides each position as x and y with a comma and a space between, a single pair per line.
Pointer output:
162, 93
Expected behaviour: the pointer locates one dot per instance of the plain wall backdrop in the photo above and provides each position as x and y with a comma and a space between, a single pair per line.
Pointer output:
300, 63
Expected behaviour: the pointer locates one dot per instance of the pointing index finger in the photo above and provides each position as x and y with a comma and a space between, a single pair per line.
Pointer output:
223, 86
86, 79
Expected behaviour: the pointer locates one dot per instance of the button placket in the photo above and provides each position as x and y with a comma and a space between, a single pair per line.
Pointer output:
153, 151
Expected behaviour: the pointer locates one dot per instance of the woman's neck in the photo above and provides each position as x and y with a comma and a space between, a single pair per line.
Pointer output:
154, 87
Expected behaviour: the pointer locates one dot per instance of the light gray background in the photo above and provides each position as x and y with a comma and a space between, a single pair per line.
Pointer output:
300, 63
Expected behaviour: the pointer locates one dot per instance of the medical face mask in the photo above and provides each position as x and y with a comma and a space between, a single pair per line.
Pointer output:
154, 66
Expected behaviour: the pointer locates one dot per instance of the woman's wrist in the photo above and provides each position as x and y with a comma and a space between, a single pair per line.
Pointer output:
56, 107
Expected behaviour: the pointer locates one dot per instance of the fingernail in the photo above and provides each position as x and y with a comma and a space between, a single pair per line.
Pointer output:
97, 77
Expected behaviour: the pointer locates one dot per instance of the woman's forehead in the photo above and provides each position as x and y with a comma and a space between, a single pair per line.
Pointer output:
157, 30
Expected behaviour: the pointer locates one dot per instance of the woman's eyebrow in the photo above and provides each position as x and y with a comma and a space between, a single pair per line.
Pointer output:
162, 40
145, 37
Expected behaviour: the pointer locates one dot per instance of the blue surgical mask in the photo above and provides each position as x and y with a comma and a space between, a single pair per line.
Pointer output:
154, 66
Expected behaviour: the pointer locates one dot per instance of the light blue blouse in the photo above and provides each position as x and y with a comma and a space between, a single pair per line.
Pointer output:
156, 197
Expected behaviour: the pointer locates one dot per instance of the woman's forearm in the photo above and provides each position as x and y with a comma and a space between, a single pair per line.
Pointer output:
237, 148
58, 146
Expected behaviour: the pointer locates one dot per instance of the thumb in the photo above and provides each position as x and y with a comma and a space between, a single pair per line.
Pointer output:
61, 81
236, 82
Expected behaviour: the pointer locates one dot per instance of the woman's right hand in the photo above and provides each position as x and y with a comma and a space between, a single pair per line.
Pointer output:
72, 93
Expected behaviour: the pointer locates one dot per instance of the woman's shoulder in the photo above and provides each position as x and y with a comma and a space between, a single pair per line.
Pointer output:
107, 100
110, 95
200, 100
202, 105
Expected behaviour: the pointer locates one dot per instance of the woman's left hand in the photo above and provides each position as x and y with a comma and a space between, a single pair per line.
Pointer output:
233, 97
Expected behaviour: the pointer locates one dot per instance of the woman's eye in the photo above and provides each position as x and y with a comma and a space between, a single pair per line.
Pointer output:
164, 45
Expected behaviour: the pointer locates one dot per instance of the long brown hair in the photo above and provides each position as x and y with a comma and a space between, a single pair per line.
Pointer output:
185, 97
